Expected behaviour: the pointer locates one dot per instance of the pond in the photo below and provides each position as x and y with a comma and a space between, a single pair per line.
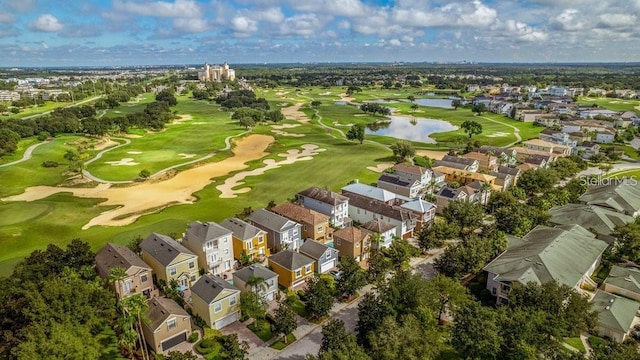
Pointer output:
439, 103
381, 101
340, 102
409, 128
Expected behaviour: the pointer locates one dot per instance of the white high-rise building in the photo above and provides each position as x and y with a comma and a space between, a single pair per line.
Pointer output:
216, 73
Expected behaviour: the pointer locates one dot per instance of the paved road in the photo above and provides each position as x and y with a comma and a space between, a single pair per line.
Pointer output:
26, 156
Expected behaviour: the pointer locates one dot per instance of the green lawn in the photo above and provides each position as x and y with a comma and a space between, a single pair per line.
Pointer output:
595, 341
32, 110
263, 331
628, 150
279, 345
134, 105
631, 173
576, 342
612, 104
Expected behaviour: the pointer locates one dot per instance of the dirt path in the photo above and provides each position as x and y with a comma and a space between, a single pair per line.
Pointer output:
145, 198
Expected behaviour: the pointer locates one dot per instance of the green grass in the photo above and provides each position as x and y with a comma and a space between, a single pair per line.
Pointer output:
628, 150
263, 332
631, 173
31, 110
279, 345
135, 105
22, 147
576, 342
595, 341
611, 104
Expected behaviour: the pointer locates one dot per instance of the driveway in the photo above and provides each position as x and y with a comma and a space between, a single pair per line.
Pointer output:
244, 334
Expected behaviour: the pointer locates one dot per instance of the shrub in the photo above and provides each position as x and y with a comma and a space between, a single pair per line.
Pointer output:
205, 346
193, 337
50, 164
42, 136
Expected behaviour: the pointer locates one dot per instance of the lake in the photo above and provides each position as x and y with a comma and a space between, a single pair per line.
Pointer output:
439, 103
410, 128
381, 101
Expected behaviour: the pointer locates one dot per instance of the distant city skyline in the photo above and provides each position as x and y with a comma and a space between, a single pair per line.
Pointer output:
39, 33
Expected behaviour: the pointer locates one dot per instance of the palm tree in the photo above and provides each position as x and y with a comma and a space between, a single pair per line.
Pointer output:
116, 277
256, 282
137, 306
484, 191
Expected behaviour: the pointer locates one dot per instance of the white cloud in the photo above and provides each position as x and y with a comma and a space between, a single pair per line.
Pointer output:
178, 9
272, 15
46, 23
451, 15
6, 18
568, 20
395, 42
524, 32
352, 8
302, 24
617, 20
244, 26
191, 25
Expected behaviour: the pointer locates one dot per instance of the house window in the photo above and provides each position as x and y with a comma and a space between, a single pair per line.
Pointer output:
357, 244
329, 255
226, 240
226, 251
260, 239
171, 324
295, 231
209, 245
250, 245
298, 273
217, 307
320, 229
173, 271
338, 242
143, 278
494, 291
192, 265
193, 278
307, 269
232, 300
270, 282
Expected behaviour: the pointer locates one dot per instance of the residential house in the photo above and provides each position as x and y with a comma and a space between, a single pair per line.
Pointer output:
538, 161
363, 209
168, 325
557, 137
622, 196
373, 193
325, 257
293, 268
267, 281
438, 180
616, 315
599, 220
216, 301
522, 154
505, 156
606, 136
213, 244
282, 233
471, 165
326, 202
587, 149
353, 242
579, 137
397, 185
623, 281
464, 177
528, 115
486, 161
247, 239
447, 195
505, 181
138, 279
547, 147
514, 172
568, 254
386, 230
590, 113
413, 173
170, 260
315, 225
424, 211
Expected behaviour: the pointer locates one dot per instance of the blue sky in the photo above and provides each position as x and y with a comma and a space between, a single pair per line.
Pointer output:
130, 32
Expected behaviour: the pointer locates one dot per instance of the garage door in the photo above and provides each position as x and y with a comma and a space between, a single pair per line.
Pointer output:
226, 320
167, 344
324, 267
270, 296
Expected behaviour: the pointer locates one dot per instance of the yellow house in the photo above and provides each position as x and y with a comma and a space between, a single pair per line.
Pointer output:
216, 301
247, 238
293, 268
170, 260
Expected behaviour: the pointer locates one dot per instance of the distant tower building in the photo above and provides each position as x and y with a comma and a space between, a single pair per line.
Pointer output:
216, 73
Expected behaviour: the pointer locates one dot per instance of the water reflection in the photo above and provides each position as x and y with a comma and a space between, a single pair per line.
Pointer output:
409, 128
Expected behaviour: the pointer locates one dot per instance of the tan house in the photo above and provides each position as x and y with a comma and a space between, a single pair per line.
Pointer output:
547, 147
213, 245
315, 225
464, 177
139, 278
216, 301
247, 239
293, 268
170, 260
485, 161
168, 326
353, 242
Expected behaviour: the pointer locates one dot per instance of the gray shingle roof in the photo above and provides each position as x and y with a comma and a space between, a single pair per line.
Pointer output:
459, 160
381, 208
291, 260
208, 287
418, 206
163, 248
324, 196
562, 253
241, 229
508, 170
161, 309
614, 312
378, 226
602, 220
622, 196
204, 232
368, 191
256, 270
114, 255
271, 220
625, 278
314, 249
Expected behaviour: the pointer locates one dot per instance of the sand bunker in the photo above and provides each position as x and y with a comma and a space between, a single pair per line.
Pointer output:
280, 93
277, 129
347, 98
380, 167
123, 162
144, 198
104, 143
134, 152
293, 113
284, 133
182, 118
132, 136
285, 126
325, 93
187, 156
498, 134
293, 155
432, 154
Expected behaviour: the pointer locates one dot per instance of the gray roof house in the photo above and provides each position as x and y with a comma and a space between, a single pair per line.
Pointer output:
213, 245
595, 218
624, 281
622, 196
616, 315
216, 301
567, 254
267, 289
170, 260
138, 277
282, 233
326, 202
169, 324
386, 230
326, 257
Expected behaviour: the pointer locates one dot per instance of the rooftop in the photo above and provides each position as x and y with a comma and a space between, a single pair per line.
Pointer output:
620, 195
163, 248
161, 309
300, 213
255, 270
271, 220
314, 249
323, 195
627, 278
290, 260
241, 229
600, 219
204, 232
209, 287
114, 255
614, 312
